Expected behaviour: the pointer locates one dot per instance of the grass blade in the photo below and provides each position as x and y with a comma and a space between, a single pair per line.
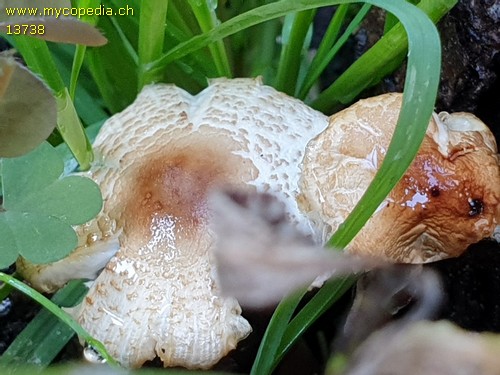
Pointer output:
283, 332
200, 63
331, 34
75, 70
59, 313
274, 333
5, 289
322, 301
183, 17
151, 35
181, 26
293, 47
90, 109
239, 23
421, 84
383, 58
325, 56
207, 19
45, 336
261, 52
118, 87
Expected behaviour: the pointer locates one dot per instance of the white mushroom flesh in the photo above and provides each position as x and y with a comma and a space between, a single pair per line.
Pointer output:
448, 198
156, 161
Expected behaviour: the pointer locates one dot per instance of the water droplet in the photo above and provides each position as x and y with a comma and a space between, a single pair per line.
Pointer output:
91, 355
5, 307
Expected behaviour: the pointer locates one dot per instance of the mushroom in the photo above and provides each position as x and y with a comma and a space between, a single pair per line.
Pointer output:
156, 162
448, 198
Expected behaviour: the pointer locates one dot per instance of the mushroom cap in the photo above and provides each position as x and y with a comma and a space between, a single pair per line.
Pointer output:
97, 243
155, 163
447, 199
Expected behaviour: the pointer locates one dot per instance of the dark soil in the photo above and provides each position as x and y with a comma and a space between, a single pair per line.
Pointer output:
15, 313
470, 35
472, 287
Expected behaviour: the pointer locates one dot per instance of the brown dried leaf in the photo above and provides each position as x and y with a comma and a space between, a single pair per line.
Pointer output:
261, 257
397, 294
424, 348
7, 68
28, 110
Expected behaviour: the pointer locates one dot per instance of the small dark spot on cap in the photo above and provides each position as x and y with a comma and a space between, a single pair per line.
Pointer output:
435, 192
476, 207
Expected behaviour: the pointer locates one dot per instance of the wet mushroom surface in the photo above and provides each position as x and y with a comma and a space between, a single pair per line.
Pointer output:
447, 200
159, 158
157, 161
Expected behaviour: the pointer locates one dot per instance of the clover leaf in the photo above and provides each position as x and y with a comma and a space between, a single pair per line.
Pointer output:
40, 206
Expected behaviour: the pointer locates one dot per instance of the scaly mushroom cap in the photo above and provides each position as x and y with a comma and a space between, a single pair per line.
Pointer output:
447, 199
156, 161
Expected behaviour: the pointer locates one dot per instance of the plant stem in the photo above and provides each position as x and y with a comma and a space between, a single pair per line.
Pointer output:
75, 69
38, 58
80, 49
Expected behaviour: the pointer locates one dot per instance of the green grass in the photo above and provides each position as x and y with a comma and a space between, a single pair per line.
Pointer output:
188, 42
57, 312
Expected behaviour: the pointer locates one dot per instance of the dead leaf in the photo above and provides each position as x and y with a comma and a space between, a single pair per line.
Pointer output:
261, 257
424, 348
400, 293
28, 111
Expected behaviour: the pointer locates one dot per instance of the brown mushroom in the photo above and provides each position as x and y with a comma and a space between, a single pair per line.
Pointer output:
448, 198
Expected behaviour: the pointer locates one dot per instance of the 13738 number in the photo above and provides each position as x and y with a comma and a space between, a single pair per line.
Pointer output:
26, 29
